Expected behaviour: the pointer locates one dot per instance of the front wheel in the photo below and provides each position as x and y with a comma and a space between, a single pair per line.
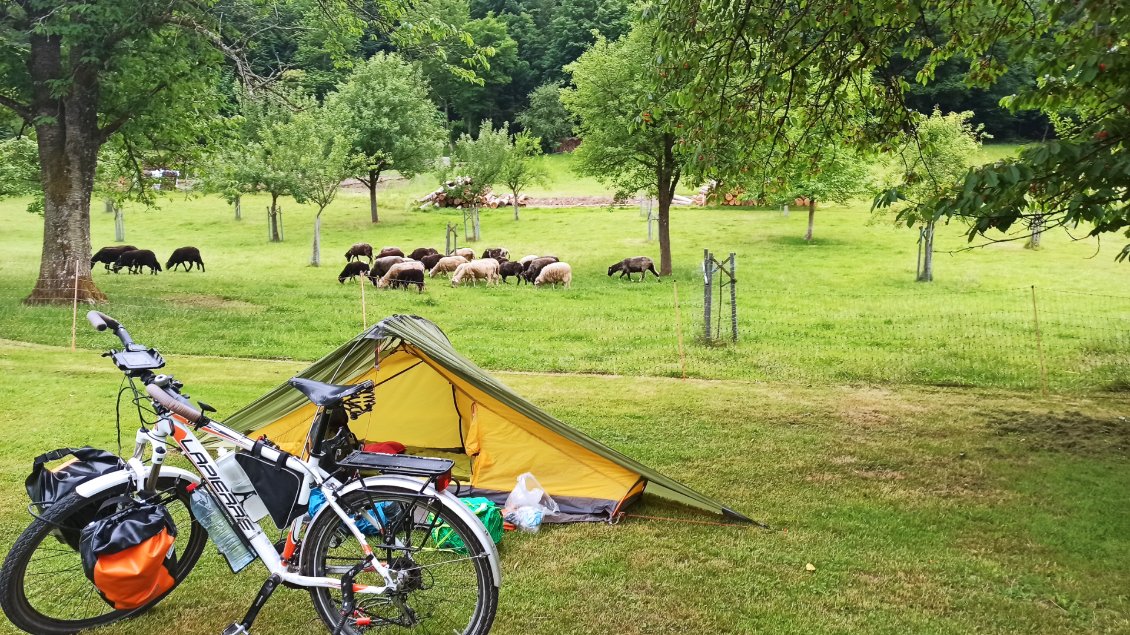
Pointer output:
43, 589
444, 571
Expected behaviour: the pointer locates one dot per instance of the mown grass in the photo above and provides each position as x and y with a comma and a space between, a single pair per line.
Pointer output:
923, 510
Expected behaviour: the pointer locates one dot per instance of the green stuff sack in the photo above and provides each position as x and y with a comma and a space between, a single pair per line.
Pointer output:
488, 512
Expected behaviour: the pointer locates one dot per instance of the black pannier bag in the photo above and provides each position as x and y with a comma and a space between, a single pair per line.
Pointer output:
130, 555
46, 487
277, 486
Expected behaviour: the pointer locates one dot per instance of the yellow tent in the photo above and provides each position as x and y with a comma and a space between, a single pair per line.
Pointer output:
438, 403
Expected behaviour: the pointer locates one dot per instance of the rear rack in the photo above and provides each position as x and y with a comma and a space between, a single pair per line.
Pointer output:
405, 464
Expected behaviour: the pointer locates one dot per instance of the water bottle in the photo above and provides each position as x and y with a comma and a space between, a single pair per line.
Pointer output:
207, 513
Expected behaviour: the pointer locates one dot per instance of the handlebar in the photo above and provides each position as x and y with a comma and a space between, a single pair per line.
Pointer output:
175, 405
101, 321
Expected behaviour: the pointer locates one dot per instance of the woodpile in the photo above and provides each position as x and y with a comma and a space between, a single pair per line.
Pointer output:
460, 191
736, 196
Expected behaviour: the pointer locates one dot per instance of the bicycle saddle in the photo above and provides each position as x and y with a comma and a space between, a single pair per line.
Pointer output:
328, 395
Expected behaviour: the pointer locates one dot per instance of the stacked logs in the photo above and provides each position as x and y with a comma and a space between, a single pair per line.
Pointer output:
459, 191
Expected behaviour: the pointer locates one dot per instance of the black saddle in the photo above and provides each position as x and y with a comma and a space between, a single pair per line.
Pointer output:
329, 395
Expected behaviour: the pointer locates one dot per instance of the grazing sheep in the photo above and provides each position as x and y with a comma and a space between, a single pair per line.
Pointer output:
352, 270
498, 253
482, 269
534, 267
394, 272
466, 252
382, 265
431, 260
109, 255
524, 259
420, 252
553, 273
638, 264
390, 251
508, 269
358, 250
184, 256
447, 264
408, 277
545, 259
134, 260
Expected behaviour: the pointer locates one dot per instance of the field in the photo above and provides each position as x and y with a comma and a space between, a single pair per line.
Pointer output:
895, 435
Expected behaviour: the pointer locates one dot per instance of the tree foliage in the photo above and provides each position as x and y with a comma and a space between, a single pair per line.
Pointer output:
546, 117
483, 157
522, 167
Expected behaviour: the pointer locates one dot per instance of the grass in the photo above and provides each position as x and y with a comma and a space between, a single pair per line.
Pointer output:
922, 510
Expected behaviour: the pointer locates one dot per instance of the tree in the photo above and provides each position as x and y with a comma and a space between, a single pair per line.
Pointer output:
831, 172
318, 152
928, 162
394, 125
573, 26
522, 167
794, 58
19, 170
628, 124
480, 162
546, 117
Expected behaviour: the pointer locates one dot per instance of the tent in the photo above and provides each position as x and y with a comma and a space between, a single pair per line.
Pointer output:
438, 403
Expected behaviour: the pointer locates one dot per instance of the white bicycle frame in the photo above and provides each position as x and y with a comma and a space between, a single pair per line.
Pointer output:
181, 431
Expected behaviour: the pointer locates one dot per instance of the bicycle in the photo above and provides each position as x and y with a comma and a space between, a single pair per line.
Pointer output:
404, 579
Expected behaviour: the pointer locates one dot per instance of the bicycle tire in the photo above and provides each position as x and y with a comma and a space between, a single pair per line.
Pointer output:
407, 540
66, 582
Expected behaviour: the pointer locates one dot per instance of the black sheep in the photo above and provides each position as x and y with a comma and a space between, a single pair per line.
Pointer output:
534, 267
498, 253
382, 265
407, 277
390, 251
352, 270
186, 256
430, 261
510, 268
421, 252
136, 259
638, 264
360, 249
109, 255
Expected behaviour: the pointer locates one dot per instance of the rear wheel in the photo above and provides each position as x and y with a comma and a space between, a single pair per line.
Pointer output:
43, 588
445, 583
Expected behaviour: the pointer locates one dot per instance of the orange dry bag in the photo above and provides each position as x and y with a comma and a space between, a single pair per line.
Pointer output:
129, 555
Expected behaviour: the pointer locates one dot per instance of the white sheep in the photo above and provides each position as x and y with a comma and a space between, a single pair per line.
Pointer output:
447, 264
554, 273
466, 252
524, 259
485, 268
398, 267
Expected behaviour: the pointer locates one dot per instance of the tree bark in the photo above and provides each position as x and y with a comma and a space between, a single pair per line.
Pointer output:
515, 201
667, 174
68, 139
316, 256
119, 224
927, 273
811, 218
273, 219
1036, 226
374, 176
238, 208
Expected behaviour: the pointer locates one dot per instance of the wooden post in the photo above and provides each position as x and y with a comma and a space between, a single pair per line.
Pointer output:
707, 291
1039, 345
74, 309
733, 297
679, 330
364, 317
650, 218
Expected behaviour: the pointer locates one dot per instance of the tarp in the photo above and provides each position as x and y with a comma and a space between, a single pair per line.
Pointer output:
438, 403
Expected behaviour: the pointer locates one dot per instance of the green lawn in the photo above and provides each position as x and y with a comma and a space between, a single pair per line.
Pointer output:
923, 510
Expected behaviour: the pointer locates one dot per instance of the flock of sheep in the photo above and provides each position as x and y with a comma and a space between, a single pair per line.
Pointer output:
132, 259
391, 268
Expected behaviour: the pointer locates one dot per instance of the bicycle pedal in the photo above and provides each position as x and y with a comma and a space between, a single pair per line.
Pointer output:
234, 629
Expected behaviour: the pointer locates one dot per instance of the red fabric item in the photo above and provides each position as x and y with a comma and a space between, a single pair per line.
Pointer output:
384, 447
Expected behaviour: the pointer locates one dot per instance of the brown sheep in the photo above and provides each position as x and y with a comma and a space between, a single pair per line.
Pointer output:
431, 260
406, 278
498, 253
382, 265
184, 256
394, 272
390, 251
638, 264
358, 250
420, 252
534, 267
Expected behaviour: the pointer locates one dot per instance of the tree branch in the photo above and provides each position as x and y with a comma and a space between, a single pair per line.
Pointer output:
22, 110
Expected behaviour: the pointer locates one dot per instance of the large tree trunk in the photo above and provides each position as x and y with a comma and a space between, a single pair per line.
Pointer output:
68, 138
811, 218
316, 255
374, 176
668, 177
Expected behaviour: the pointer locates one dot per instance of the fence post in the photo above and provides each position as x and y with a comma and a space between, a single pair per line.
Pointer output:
74, 309
733, 297
1039, 345
650, 218
707, 291
679, 330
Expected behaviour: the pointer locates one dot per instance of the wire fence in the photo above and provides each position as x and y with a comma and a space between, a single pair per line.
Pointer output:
1022, 338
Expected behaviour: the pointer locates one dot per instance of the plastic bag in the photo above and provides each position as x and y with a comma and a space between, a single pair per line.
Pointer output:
528, 504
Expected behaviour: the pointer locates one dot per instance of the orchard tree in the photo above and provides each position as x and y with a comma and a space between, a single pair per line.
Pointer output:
629, 125
829, 172
480, 160
393, 123
546, 117
523, 166
796, 59
930, 161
